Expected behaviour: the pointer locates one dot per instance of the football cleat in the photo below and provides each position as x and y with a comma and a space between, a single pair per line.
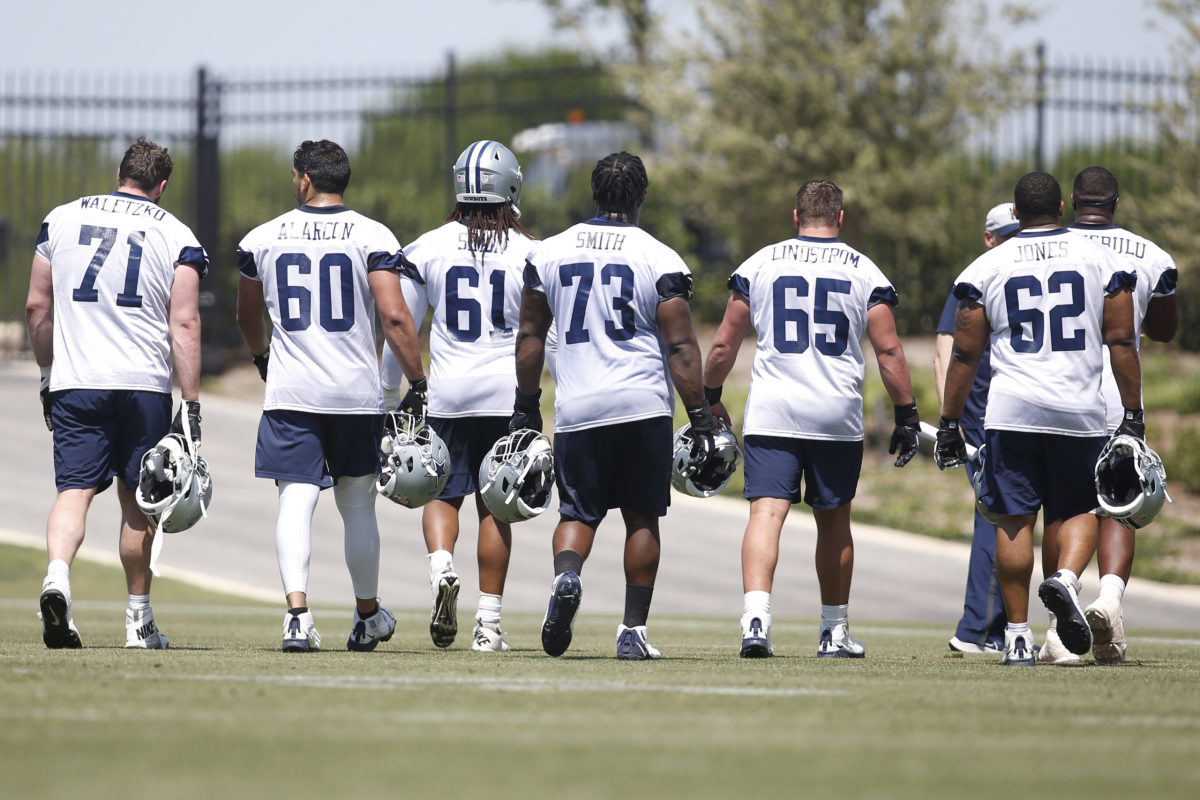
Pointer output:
368, 632
58, 629
1062, 600
988, 648
559, 622
633, 644
443, 620
488, 638
1108, 630
836, 642
300, 633
756, 638
1018, 650
142, 633
1053, 651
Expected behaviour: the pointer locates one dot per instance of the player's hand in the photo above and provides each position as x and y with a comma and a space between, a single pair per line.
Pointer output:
1133, 423
414, 401
704, 430
527, 412
44, 391
260, 361
905, 434
950, 450
193, 421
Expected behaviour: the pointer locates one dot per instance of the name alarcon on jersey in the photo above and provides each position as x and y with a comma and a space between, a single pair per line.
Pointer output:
599, 240
808, 254
123, 205
316, 230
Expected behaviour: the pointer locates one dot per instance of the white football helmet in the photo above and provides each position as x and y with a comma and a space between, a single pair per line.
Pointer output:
516, 476
488, 172
711, 477
174, 485
416, 462
1131, 482
977, 484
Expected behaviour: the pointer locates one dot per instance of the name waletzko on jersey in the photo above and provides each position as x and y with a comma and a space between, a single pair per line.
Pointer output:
809, 298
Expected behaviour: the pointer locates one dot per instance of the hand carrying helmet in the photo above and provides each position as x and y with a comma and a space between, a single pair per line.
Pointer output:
415, 461
1131, 482
710, 477
516, 476
174, 485
488, 172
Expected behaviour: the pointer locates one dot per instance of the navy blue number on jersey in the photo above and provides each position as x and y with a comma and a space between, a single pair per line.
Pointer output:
461, 303
791, 324
297, 316
619, 277
87, 293
1035, 319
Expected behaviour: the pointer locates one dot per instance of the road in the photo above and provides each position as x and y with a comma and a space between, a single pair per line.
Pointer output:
898, 577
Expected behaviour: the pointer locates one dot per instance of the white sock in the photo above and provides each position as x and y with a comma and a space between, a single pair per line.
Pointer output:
293, 533
1112, 585
139, 602
1070, 578
440, 561
832, 616
1018, 628
59, 571
488, 611
756, 604
355, 498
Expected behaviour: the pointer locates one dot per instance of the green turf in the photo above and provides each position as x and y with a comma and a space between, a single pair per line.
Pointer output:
224, 714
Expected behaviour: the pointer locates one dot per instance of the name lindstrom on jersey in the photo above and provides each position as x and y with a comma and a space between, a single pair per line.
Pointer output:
810, 254
314, 230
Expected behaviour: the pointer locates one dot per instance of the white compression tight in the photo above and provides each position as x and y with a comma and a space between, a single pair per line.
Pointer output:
355, 498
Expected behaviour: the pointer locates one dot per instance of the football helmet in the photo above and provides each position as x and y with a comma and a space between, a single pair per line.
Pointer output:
1131, 482
712, 476
488, 172
416, 462
977, 460
174, 485
516, 476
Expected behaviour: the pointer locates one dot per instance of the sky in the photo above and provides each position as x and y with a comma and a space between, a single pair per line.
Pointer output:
416, 36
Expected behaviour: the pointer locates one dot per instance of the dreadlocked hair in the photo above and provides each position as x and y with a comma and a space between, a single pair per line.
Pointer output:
488, 225
619, 183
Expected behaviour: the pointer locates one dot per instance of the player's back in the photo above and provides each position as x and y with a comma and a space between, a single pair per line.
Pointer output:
809, 298
476, 300
1043, 292
113, 263
313, 264
603, 281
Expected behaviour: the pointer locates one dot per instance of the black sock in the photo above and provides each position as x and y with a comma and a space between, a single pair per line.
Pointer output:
568, 561
370, 613
298, 610
637, 604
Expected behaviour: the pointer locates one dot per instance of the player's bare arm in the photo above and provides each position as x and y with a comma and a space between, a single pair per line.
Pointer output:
251, 315
399, 330
943, 348
39, 311
734, 328
971, 331
889, 352
1121, 338
531, 340
1162, 318
683, 351
184, 322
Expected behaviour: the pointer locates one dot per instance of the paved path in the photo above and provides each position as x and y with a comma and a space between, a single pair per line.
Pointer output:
898, 576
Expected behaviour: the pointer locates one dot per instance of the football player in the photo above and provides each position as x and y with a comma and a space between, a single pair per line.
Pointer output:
620, 299
1094, 198
321, 271
470, 271
1047, 300
113, 304
810, 299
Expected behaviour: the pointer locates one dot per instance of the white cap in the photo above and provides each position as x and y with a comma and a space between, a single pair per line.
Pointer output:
1002, 220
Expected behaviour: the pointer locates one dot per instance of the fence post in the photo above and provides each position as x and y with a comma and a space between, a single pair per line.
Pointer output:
451, 116
1039, 152
213, 300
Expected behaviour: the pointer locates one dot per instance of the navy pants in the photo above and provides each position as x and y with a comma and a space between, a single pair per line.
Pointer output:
983, 617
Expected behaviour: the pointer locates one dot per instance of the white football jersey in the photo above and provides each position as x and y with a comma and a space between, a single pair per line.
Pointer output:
808, 298
113, 259
313, 264
1156, 277
1043, 292
603, 281
476, 301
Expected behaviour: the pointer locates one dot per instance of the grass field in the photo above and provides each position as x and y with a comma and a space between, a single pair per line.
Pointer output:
223, 714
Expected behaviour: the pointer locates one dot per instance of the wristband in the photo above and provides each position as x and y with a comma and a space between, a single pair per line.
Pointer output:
712, 396
907, 414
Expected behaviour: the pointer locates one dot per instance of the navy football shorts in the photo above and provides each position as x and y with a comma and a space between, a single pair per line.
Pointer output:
100, 433
775, 466
1027, 471
468, 439
305, 447
627, 465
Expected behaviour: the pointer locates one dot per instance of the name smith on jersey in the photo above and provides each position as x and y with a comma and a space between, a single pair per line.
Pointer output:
316, 230
599, 240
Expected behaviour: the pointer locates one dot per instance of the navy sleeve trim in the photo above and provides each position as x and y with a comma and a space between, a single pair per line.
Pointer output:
675, 284
43, 235
946, 321
196, 257
409, 270
532, 279
246, 264
883, 294
1166, 283
739, 283
383, 260
965, 291
1119, 281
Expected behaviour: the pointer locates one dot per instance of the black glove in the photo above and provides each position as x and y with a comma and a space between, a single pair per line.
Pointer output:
527, 412
703, 432
950, 450
1133, 423
905, 434
260, 361
193, 415
414, 401
44, 391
